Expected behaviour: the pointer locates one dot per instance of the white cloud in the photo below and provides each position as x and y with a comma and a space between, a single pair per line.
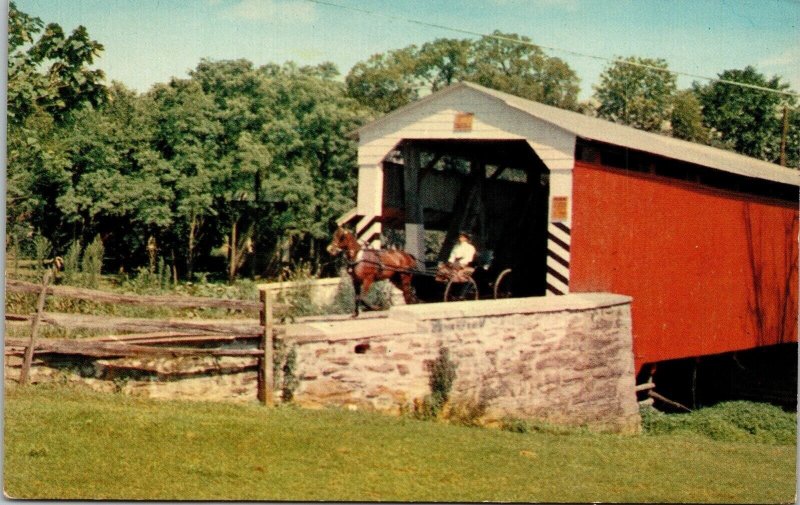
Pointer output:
271, 11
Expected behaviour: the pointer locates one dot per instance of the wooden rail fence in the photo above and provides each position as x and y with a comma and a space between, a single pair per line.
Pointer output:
151, 337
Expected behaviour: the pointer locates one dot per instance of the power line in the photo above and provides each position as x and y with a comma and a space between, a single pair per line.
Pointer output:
549, 48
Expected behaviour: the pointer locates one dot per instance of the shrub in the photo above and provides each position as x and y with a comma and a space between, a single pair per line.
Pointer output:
72, 262
284, 369
378, 296
443, 374
92, 263
730, 421
42, 249
298, 299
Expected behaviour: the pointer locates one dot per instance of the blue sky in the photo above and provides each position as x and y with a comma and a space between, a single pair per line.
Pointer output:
150, 41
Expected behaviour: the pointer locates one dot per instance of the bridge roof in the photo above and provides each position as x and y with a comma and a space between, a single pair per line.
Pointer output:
600, 130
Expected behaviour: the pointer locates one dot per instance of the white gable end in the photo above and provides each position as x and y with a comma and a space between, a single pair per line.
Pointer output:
434, 117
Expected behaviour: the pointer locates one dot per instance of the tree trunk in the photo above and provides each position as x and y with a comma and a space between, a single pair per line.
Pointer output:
190, 251
232, 252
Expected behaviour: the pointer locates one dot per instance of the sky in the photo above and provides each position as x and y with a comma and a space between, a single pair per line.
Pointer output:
150, 41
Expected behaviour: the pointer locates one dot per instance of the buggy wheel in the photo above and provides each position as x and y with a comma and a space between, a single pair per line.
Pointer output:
460, 291
503, 286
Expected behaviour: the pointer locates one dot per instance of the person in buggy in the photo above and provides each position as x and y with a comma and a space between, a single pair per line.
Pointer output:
459, 265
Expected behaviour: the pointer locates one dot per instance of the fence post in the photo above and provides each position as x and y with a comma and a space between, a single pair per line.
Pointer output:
265, 372
28, 361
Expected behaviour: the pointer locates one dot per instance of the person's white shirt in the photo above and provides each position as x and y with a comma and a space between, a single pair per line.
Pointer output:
463, 252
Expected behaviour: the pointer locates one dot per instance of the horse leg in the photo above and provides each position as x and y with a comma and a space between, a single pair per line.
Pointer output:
357, 298
408, 290
403, 283
366, 284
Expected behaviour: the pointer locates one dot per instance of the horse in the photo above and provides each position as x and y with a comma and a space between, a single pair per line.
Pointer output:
367, 265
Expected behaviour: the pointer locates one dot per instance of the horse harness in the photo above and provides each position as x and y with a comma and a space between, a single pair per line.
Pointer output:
351, 264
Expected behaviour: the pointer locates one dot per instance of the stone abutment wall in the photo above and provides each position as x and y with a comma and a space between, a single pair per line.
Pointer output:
565, 360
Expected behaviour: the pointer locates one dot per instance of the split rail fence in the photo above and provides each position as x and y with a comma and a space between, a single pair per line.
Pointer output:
148, 337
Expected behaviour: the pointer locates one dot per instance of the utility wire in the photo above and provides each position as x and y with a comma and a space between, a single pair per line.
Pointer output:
549, 48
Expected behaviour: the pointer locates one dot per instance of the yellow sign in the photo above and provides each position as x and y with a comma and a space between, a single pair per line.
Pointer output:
559, 210
463, 122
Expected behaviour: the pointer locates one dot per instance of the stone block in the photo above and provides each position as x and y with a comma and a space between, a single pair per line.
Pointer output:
381, 368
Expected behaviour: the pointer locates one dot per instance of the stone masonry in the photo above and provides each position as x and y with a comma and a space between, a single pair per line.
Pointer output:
565, 360
562, 359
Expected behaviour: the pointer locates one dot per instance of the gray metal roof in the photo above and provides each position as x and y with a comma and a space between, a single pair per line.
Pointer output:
612, 133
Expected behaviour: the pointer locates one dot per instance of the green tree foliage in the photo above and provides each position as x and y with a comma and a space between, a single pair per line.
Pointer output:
745, 119
250, 159
506, 62
637, 95
50, 72
260, 159
687, 118
385, 81
511, 63
49, 81
793, 138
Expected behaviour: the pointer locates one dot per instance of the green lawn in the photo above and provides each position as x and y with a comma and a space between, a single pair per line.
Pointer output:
68, 443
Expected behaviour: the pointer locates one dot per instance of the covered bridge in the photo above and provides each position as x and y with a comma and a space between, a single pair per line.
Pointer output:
704, 240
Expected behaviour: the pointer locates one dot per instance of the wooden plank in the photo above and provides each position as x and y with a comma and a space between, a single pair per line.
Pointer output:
17, 286
135, 337
661, 398
266, 379
123, 324
118, 350
179, 339
26, 365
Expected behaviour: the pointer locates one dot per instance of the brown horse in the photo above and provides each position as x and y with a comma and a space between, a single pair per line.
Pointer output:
369, 265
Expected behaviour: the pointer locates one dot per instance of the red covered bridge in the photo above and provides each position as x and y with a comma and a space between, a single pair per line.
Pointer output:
704, 240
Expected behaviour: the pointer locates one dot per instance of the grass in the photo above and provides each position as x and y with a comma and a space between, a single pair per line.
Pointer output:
69, 443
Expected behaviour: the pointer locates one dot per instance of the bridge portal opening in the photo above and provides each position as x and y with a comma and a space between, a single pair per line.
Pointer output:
496, 189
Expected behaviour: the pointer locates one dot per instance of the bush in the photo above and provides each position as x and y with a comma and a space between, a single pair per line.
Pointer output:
737, 421
92, 263
443, 374
42, 249
72, 263
379, 296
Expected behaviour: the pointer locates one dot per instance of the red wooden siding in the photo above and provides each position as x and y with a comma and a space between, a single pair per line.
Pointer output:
709, 271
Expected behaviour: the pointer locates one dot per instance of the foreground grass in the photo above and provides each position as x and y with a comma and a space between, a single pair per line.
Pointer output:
68, 443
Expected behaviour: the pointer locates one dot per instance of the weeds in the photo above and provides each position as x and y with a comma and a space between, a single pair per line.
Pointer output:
92, 262
442, 376
284, 369
737, 421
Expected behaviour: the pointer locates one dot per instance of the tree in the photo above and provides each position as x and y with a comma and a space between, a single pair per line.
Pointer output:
687, 118
506, 62
260, 157
511, 63
385, 81
793, 138
49, 80
188, 136
747, 120
118, 185
637, 92
51, 72
442, 62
